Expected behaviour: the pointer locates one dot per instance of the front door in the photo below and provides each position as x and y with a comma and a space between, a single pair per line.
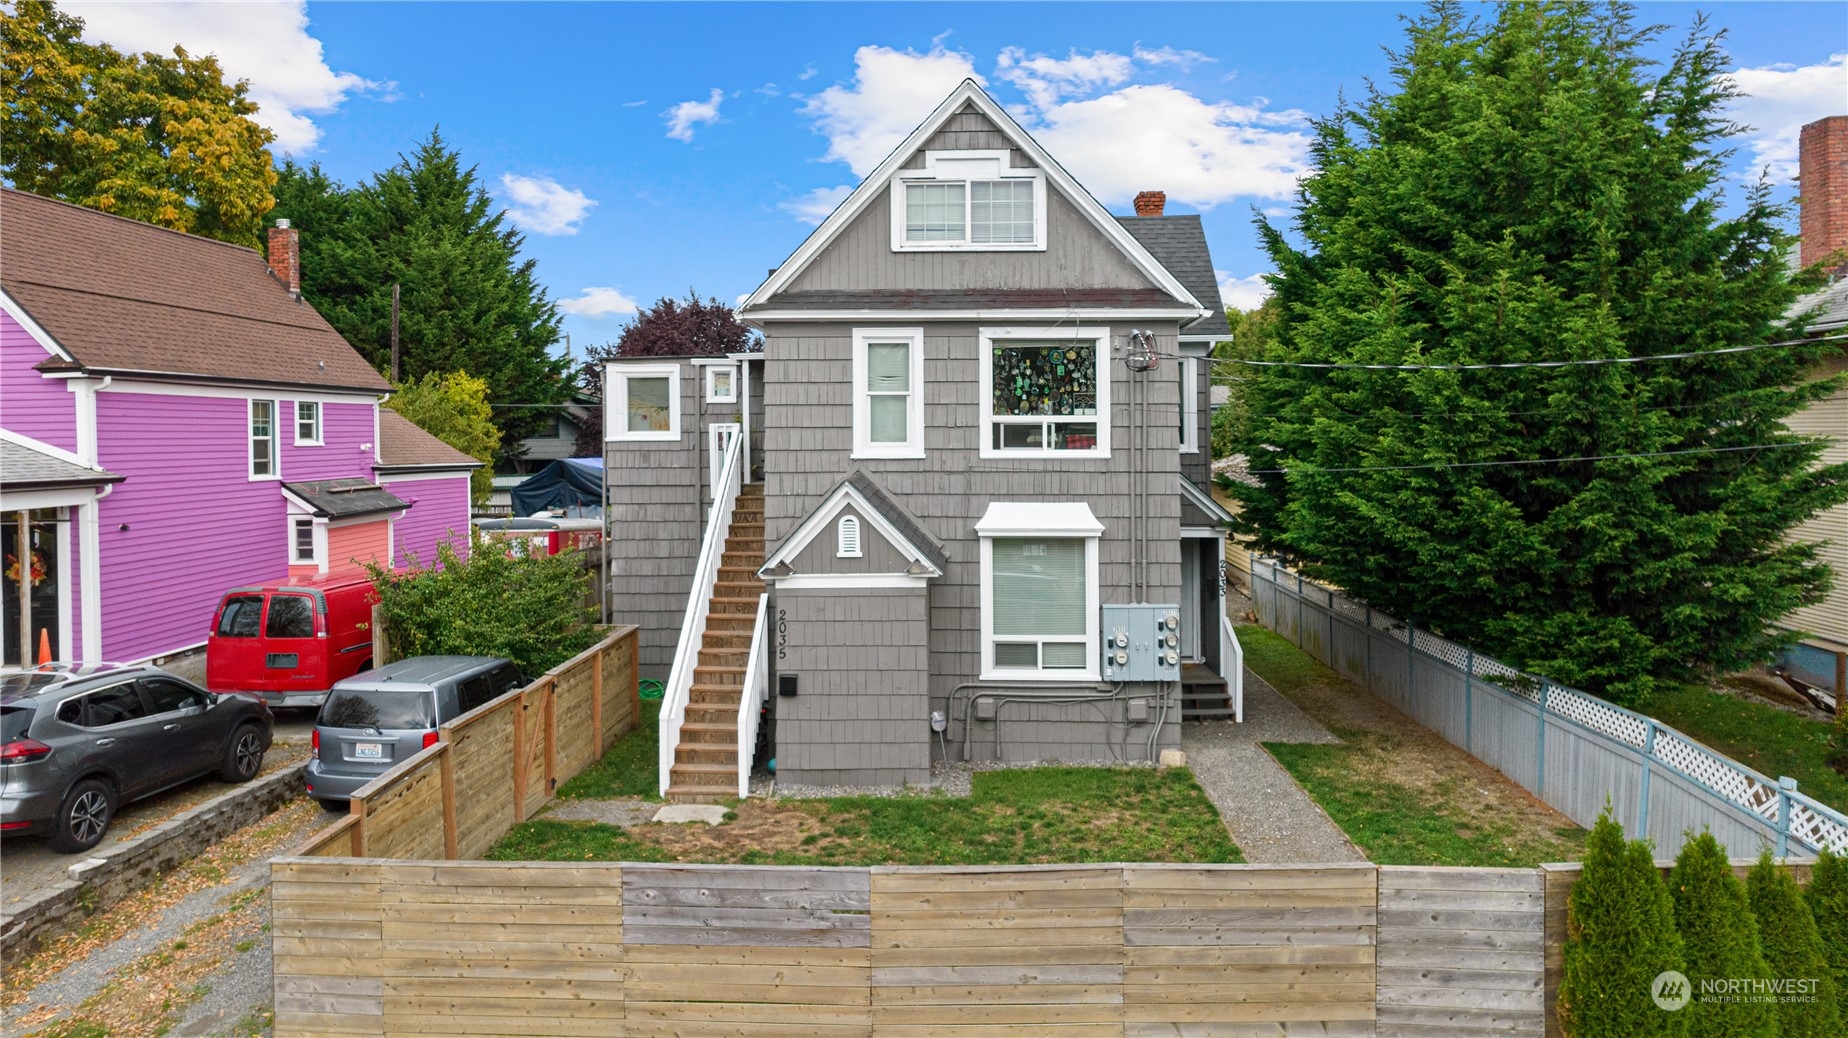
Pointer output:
719, 437
1190, 597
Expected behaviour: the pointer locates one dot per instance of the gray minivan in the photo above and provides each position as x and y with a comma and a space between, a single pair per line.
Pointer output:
371, 721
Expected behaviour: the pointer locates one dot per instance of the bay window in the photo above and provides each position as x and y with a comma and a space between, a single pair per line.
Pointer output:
1046, 391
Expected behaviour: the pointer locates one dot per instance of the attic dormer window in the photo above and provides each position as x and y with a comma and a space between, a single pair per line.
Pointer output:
974, 200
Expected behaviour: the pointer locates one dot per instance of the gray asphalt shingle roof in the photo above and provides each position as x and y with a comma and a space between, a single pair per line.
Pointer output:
1179, 243
23, 468
347, 497
1830, 304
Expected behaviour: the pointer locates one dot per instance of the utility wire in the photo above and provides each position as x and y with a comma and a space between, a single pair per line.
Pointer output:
1585, 362
1530, 461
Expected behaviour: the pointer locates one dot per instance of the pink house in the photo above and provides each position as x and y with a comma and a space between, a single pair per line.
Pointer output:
174, 421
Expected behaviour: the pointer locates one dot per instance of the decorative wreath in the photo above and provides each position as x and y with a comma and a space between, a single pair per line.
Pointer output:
38, 567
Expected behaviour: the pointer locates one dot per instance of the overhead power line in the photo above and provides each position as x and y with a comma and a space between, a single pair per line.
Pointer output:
1531, 461
1584, 362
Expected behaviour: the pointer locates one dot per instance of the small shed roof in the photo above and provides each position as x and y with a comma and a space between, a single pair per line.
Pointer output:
345, 498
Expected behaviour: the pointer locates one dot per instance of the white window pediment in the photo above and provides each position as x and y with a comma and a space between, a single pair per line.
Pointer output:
969, 201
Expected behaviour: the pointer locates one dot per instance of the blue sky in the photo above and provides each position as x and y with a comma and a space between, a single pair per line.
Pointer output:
647, 149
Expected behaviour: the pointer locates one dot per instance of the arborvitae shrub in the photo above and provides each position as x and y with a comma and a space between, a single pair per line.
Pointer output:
1828, 902
1620, 933
1721, 940
1793, 950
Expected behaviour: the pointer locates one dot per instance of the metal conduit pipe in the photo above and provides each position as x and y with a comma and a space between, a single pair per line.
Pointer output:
1047, 696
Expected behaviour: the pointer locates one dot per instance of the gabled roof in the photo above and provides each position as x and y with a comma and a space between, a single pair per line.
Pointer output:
26, 464
1179, 242
893, 522
1830, 306
968, 93
1205, 510
121, 297
404, 445
344, 498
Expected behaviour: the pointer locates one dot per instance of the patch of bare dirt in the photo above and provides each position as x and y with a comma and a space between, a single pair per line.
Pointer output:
761, 825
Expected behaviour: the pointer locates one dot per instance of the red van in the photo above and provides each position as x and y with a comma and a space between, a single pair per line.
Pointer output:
290, 641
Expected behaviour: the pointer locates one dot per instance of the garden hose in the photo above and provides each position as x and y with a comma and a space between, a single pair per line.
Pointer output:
650, 689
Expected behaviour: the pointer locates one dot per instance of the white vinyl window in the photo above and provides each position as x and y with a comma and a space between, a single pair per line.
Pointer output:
643, 402
847, 538
1190, 404
888, 393
308, 423
305, 540
968, 200
1046, 391
721, 384
263, 440
1039, 591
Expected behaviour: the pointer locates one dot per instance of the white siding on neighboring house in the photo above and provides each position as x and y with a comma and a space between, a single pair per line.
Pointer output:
1827, 619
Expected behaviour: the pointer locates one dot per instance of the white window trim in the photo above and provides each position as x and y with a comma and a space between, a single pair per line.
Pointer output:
712, 393
320, 415
1091, 605
1190, 405
937, 170
320, 541
863, 445
991, 337
615, 417
250, 440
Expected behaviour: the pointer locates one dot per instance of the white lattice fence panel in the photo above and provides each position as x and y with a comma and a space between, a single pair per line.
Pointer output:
1599, 716
1444, 649
1716, 773
1811, 825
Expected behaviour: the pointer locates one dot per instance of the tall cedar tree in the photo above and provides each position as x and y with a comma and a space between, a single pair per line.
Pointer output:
669, 328
158, 138
1793, 950
1535, 191
1620, 933
1828, 901
467, 301
1716, 926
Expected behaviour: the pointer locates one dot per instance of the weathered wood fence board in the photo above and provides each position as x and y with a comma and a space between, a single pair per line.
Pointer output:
1461, 952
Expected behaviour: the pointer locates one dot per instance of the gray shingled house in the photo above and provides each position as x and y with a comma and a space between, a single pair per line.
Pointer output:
958, 505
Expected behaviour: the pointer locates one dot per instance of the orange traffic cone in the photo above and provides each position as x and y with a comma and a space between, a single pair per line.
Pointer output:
44, 658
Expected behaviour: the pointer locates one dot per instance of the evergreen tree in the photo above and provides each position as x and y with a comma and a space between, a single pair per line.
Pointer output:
1721, 938
1793, 950
1828, 901
467, 301
1620, 934
1531, 190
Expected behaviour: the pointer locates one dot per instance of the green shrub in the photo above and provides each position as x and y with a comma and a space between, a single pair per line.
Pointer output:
1620, 933
1828, 902
529, 608
1721, 939
1793, 950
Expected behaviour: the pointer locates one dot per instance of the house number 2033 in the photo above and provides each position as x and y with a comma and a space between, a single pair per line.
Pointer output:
782, 634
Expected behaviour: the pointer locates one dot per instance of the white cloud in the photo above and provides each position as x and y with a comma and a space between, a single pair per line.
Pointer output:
815, 206
543, 205
1781, 98
599, 302
1242, 293
1159, 137
1186, 59
634, 104
892, 92
807, 73
1046, 80
683, 117
265, 43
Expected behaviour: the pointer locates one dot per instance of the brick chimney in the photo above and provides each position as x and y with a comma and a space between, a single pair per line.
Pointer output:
1151, 203
285, 256
1822, 181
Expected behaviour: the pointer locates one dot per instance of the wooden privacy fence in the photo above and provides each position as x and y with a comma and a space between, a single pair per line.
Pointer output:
494, 766
389, 948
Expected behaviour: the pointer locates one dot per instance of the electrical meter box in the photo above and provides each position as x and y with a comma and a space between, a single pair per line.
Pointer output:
1141, 642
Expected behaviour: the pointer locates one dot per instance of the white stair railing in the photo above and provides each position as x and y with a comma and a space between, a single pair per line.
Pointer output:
699, 599
1232, 667
756, 693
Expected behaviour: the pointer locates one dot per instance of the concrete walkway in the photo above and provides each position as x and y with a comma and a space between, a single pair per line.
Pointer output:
1269, 816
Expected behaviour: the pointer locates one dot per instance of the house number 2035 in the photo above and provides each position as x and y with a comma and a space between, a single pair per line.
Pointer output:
782, 634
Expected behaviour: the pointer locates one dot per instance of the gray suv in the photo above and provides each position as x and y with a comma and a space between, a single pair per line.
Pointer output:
77, 742
371, 721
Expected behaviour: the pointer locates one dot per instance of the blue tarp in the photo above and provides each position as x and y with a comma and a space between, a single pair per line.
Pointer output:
573, 486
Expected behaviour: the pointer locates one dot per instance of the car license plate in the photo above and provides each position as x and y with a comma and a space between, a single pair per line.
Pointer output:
369, 750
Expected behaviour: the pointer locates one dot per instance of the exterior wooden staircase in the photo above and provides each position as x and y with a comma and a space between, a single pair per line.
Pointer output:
706, 761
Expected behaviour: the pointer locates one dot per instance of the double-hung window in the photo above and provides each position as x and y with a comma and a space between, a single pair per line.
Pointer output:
304, 543
643, 402
307, 423
888, 393
1039, 591
1046, 392
263, 439
968, 200
1190, 404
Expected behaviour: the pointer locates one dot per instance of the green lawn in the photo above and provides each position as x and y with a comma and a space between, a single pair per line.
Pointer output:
1763, 737
1401, 793
1023, 816
630, 769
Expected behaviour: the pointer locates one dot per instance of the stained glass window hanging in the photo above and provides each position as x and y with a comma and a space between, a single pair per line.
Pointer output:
1057, 378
